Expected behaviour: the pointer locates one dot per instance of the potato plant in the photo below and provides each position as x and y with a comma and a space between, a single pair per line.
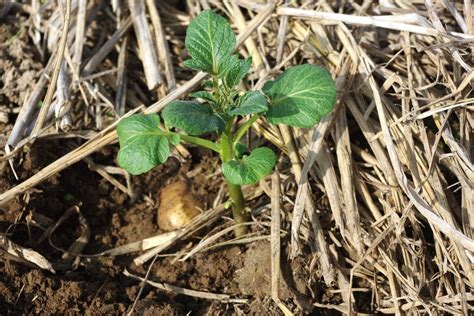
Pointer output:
298, 97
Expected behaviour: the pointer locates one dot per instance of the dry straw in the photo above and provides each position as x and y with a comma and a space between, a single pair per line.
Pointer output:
384, 207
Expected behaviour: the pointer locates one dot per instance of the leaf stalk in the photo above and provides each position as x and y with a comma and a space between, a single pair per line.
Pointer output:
199, 142
244, 128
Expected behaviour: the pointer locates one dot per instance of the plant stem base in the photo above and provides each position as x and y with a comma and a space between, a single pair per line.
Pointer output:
239, 212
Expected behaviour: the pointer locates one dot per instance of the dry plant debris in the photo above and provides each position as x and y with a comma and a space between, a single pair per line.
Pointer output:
376, 202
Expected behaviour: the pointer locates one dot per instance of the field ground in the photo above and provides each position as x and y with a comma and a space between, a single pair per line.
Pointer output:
387, 225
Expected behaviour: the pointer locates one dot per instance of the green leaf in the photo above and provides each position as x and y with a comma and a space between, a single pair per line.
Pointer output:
142, 143
174, 139
208, 84
209, 40
250, 168
251, 102
193, 64
192, 117
300, 96
203, 95
233, 70
240, 149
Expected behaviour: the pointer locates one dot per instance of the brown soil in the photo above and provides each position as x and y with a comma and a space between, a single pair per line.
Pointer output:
20, 65
98, 285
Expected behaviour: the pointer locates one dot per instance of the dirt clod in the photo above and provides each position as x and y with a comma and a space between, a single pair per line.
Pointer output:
255, 276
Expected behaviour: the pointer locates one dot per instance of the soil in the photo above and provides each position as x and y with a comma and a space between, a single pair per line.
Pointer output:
98, 286
20, 65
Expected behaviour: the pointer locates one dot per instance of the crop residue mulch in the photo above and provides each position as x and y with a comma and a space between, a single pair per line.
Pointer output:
368, 243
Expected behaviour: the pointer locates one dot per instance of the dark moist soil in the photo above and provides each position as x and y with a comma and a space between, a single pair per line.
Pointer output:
98, 285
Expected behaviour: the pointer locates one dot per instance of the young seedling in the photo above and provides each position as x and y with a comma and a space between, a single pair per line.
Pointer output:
299, 97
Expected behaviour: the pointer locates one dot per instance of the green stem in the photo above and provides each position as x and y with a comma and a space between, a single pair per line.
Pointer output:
198, 141
244, 128
235, 191
238, 208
